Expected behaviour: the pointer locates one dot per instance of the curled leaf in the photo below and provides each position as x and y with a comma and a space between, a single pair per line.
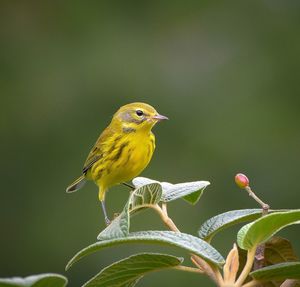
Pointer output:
144, 196
263, 228
231, 266
189, 191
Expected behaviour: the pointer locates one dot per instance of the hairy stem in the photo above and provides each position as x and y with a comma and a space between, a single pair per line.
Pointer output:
165, 218
164, 208
218, 275
188, 269
203, 266
210, 271
260, 251
264, 206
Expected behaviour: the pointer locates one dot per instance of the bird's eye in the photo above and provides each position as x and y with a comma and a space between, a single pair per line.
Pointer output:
139, 113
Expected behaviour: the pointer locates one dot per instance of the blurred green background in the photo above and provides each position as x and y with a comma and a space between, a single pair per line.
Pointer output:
225, 73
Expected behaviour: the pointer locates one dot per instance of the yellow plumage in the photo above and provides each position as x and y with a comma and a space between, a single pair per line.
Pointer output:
122, 151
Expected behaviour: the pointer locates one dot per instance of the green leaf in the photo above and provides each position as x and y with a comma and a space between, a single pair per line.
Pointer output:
263, 228
224, 220
185, 241
144, 196
194, 197
281, 271
119, 227
41, 280
128, 271
183, 190
190, 191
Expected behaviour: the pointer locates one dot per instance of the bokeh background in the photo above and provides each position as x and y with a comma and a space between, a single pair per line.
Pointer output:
225, 73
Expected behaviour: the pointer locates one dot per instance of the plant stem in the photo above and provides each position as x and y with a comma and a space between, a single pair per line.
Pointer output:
165, 218
217, 273
264, 206
260, 251
164, 208
188, 269
259, 257
247, 267
211, 272
252, 283
203, 266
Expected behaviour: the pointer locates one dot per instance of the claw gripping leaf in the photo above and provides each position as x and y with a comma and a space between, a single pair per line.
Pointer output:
146, 195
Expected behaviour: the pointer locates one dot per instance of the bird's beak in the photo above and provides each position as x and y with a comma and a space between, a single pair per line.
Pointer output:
159, 117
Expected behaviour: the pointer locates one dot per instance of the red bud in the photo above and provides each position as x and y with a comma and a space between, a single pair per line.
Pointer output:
241, 180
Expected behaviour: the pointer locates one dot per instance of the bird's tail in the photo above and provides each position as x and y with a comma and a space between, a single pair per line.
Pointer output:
77, 184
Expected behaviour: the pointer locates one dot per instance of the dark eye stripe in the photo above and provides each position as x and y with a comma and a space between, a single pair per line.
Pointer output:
128, 118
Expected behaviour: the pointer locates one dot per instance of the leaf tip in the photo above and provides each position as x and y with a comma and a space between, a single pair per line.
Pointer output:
68, 266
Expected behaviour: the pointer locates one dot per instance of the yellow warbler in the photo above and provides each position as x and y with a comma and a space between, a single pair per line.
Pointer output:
122, 151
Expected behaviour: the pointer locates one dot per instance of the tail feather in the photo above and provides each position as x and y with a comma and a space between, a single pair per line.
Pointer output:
77, 184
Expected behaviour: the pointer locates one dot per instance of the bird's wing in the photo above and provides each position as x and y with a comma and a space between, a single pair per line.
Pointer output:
89, 163
97, 152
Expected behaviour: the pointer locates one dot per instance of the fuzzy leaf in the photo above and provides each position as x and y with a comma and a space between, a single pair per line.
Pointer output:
148, 194
141, 197
278, 250
185, 241
189, 191
129, 271
40, 280
119, 227
263, 228
281, 271
224, 220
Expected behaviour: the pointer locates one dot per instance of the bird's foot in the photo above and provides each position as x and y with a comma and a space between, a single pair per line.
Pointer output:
128, 185
107, 221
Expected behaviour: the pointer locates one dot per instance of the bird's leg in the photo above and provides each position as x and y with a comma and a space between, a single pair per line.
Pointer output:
128, 185
107, 221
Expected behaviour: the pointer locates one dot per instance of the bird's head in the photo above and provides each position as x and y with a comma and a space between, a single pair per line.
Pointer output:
137, 116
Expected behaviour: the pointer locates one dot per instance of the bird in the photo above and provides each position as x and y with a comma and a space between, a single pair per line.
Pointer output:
122, 151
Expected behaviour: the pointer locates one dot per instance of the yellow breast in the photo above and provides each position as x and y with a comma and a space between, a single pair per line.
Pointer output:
130, 156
